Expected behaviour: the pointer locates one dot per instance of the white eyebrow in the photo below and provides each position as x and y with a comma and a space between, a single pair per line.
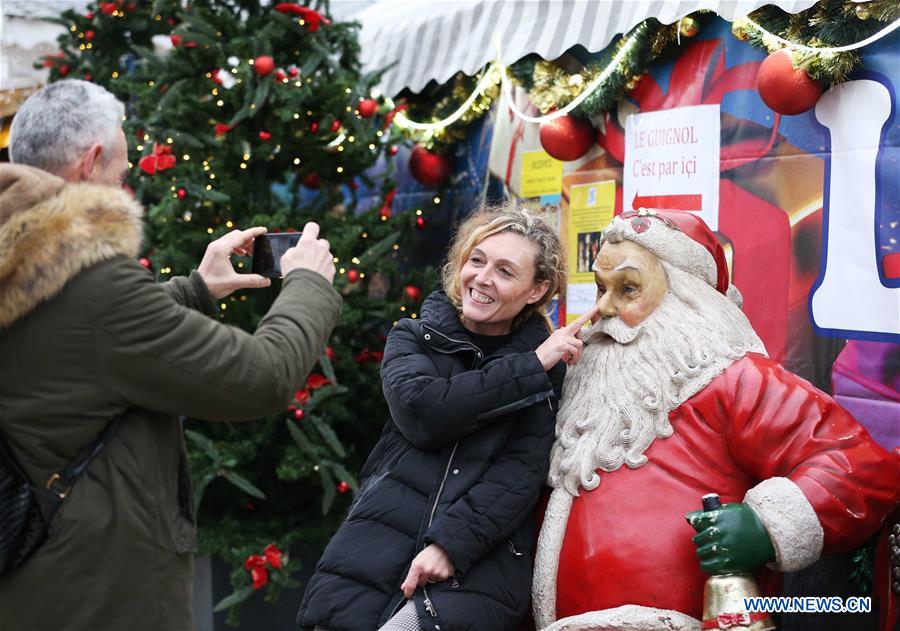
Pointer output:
627, 263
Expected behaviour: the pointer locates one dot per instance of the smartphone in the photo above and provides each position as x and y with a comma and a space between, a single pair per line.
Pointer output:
267, 251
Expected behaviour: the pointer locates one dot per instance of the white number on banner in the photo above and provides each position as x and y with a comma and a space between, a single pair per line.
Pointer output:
851, 297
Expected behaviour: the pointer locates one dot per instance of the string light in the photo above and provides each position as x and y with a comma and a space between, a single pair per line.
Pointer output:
489, 79
835, 49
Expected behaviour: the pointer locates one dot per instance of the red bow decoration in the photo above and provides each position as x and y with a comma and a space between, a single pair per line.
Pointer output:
256, 565
312, 18
160, 160
316, 381
273, 556
222, 129
705, 59
727, 620
369, 356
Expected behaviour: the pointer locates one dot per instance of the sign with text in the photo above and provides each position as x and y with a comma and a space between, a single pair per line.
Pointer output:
672, 161
541, 174
590, 209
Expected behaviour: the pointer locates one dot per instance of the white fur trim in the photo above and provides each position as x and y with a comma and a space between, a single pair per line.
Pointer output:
627, 618
546, 561
673, 246
792, 523
734, 295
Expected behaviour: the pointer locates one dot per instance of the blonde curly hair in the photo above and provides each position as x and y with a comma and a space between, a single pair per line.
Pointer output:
508, 217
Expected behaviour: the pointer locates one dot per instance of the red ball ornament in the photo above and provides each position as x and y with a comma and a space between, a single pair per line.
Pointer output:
314, 127
263, 65
335, 125
144, 261
329, 353
181, 193
367, 108
413, 293
299, 414
108, 8
176, 40
89, 15
431, 169
420, 223
64, 70
393, 149
264, 135
567, 137
352, 275
312, 181
89, 36
293, 71
343, 487
385, 212
280, 76
785, 89
88, 76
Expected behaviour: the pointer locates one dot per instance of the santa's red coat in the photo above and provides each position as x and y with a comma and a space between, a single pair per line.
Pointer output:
627, 541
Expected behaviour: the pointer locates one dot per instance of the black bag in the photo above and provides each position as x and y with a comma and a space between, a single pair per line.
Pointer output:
26, 509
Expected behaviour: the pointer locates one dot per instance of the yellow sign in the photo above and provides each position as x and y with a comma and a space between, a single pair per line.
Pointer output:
591, 207
541, 174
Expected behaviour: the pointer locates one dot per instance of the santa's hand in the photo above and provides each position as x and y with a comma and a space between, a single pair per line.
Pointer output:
431, 565
565, 344
730, 539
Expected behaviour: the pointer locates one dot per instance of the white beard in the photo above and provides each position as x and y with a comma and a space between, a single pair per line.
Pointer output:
616, 400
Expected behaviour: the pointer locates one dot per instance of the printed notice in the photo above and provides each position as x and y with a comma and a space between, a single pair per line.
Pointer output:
541, 174
590, 209
672, 161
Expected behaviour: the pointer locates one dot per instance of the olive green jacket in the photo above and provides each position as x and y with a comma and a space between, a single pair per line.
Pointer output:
86, 333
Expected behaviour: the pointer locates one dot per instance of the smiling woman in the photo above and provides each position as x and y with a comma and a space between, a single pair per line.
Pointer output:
441, 531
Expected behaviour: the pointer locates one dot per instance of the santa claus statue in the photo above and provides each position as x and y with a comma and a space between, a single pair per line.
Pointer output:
674, 398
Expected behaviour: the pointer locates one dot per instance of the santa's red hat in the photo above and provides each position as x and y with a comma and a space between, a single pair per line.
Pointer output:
680, 238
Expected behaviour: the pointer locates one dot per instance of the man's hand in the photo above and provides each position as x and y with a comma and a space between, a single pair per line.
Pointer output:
431, 565
730, 539
565, 342
310, 253
217, 271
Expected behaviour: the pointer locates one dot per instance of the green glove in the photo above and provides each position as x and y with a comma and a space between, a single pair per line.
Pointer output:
730, 539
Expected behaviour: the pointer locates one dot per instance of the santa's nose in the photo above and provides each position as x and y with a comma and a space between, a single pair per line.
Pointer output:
607, 307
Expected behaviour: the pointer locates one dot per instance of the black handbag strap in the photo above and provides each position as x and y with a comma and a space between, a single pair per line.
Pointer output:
62, 482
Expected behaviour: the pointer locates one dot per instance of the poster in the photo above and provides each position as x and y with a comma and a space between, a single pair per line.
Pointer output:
587, 208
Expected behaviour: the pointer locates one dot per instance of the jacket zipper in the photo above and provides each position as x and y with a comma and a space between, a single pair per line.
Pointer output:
429, 606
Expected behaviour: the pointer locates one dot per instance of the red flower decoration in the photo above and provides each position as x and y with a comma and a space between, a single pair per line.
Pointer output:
316, 381
273, 556
160, 160
301, 396
260, 577
222, 129
313, 19
254, 561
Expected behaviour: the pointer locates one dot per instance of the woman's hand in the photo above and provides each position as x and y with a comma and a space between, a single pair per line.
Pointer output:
431, 565
565, 342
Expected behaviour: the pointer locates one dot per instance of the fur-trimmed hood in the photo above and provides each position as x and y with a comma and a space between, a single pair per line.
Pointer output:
50, 230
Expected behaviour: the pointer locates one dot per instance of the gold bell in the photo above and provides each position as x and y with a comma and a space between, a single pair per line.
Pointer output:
724, 595
723, 604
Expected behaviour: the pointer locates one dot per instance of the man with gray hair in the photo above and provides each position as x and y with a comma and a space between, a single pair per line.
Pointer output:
87, 335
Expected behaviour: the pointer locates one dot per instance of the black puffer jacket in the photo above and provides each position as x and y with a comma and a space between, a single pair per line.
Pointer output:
461, 463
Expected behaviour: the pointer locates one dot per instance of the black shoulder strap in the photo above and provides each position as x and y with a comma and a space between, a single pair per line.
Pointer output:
73, 470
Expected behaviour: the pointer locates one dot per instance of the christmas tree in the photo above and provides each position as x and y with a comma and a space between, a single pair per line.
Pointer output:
242, 115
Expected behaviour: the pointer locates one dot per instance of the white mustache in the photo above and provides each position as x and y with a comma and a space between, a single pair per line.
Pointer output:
613, 328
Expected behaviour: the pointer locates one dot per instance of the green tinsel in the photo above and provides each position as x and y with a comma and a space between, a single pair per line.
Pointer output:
829, 23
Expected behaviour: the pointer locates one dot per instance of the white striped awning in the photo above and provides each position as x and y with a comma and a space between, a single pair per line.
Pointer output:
435, 39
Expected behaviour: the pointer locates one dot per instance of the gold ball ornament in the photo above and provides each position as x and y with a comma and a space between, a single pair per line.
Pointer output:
739, 29
862, 12
688, 27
